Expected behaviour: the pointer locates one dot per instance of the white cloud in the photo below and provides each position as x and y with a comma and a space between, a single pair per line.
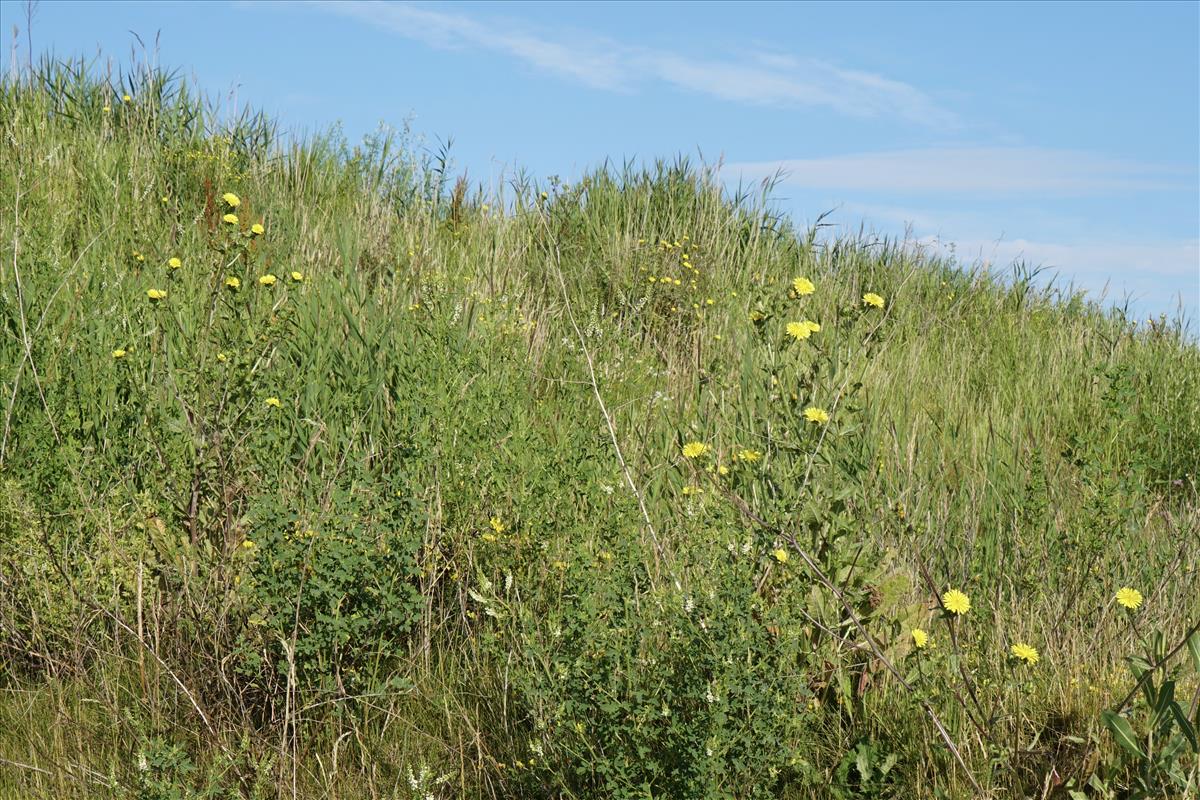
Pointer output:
1155, 276
1172, 265
967, 169
772, 80
1155, 273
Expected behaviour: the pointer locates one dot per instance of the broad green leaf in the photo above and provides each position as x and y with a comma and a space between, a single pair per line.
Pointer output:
1123, 733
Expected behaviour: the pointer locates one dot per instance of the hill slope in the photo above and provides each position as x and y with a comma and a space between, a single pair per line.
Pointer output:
324, 475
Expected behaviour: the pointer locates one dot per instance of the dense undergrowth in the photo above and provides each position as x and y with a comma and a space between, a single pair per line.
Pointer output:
323, 474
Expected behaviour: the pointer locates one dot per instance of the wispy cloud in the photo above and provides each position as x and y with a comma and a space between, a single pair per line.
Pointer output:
599, 63
1157, 273
991, 170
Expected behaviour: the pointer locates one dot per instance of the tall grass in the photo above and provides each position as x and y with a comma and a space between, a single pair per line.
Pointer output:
460, 553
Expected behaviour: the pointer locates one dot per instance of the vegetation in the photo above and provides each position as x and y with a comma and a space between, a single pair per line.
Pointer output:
323, 474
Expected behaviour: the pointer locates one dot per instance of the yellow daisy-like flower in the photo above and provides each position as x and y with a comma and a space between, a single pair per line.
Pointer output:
174, 262
118, 353
873, 300
803, 286
232, 219
956, 602
273, 402
297, 276
816, 415
156, 294
497, 525
248, 545
1025, 653
799, 330
920, 638
126, 98
257, 229
1129, 598
267, 280
233, 283
694, 449
780, 555
231, 199
749, 456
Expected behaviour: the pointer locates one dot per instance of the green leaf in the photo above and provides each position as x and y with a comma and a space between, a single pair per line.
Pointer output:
1193, 644
1185, 725
1123, 733
1162, 703
863, 762
1138, 666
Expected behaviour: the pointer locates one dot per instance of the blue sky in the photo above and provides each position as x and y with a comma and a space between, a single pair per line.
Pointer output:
1066, 135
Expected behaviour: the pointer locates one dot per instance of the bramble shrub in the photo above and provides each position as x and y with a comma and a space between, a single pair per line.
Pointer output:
329, 592
633, 690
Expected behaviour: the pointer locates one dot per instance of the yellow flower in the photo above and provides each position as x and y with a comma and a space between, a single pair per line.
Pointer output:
956, 602
233, 283
297, 276
722, 469
257, 229
497, 525
174, 262
803, 286
816, 415
749, 456
273, 402
798, 331
688, 491
138, 256
107, 108
267, 280
248, 545
920, 638
1025, 653
780, 555
1129, 598
232, 219
694, 449
231, 199
873, 300
156, 294
126, 98
118, 353
222, 357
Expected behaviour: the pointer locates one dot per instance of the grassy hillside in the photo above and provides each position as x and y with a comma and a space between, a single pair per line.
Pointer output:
324, 474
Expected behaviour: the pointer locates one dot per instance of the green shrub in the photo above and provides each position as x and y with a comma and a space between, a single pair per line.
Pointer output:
330, 590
